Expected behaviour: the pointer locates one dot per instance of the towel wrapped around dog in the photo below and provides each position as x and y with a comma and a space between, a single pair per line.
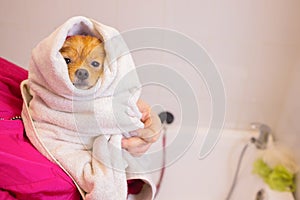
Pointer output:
81, 130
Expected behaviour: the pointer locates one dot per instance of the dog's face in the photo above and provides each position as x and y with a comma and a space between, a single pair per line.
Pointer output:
84, 56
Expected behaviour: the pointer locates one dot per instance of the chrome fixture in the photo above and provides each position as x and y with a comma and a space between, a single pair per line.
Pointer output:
264, 135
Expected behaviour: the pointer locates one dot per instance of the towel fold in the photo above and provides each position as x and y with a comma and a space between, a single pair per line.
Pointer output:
81, 130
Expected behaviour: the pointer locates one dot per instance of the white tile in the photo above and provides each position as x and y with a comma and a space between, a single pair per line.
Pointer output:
189, 17
133, 14
266, 113
268, 85
103, 11
235, 81
40, 24
15, 47
146, 56
252, 21
45, 17
290, 115
233, 109
190, 74
205, 113
230, 52
278, 26
13, 12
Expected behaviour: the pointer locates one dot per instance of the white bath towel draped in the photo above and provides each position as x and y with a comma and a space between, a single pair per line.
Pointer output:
81, 130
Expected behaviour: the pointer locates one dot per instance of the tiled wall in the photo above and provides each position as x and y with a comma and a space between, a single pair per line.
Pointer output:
255, 45
288, 129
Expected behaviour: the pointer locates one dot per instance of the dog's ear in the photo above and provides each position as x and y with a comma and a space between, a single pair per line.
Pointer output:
100, 40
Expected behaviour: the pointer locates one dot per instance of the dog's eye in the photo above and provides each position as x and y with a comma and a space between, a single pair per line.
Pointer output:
68, 60
95, 64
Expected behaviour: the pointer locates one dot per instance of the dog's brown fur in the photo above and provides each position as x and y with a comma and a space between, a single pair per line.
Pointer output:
82, 55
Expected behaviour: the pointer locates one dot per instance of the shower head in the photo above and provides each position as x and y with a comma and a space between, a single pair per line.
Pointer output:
264, 135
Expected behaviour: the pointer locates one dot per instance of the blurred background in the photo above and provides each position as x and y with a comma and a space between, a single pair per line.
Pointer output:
255, 45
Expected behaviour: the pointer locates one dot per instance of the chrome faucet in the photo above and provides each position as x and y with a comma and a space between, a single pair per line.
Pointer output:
264, 134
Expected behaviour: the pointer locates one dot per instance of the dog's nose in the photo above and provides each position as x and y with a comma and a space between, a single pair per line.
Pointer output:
82, 74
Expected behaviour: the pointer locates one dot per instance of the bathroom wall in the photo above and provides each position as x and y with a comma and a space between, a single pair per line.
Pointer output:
288, 129
255, 45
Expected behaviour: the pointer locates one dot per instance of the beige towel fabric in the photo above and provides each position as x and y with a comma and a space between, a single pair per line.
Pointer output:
81, 130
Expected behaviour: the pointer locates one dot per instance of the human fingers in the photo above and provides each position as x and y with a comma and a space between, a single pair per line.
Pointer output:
135, 146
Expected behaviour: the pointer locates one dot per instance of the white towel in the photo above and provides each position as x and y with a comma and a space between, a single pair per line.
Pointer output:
81, 130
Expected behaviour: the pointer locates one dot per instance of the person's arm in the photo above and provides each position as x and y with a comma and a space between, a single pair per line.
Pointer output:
139, 144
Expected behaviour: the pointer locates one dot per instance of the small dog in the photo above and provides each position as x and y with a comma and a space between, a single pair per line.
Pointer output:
84, 56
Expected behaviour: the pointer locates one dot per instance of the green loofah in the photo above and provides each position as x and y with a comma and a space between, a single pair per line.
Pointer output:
279, 178
262, 169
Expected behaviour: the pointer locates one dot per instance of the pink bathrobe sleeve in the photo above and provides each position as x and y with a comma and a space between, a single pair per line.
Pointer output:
24, 172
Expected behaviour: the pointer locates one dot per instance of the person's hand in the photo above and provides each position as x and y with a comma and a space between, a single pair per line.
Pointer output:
145, 109
140, 143
135, 145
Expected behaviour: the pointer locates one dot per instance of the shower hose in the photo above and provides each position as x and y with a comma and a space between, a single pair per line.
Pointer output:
165, 118
238, 168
